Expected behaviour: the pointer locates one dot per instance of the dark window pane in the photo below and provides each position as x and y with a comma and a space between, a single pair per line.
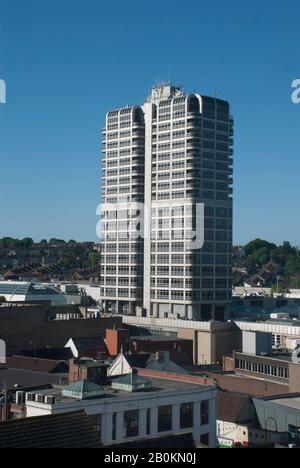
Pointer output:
149, 421
96, 421
131, 423
164, 418
114, 426
186, 416
205, 412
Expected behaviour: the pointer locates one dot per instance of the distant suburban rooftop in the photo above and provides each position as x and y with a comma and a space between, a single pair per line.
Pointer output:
71, 430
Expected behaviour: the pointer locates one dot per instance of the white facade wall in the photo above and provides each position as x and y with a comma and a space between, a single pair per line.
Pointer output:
108, 407
184, 147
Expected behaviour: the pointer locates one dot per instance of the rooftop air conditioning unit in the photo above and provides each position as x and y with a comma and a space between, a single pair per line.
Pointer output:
39, 398
30, 397
50, 400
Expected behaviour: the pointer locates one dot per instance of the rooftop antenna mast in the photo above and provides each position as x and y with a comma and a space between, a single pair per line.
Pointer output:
170, 74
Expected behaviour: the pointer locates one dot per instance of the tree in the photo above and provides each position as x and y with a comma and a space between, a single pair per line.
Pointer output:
258, 244
292, 266
2, 299
27, 242
93, 260
56, 241
261, 256
295, 283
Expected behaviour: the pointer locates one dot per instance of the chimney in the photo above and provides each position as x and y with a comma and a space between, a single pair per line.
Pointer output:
116, 340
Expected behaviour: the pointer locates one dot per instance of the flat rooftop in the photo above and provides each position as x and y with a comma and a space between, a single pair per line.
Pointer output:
284, 357
248, 385
157, 338
159, 386
287, 322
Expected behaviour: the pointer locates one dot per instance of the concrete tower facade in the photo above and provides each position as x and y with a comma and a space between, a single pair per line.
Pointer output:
181, 170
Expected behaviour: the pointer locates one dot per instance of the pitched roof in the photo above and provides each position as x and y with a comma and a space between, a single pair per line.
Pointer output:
137, 360
70, 430
38, 365
12, 378
83, 344
230, 406
145, 360
58, 354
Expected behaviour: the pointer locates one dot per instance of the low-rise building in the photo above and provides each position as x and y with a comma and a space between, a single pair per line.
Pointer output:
280, 414
213, 340
237, 424
34, 326
138, 406
277, 368
210, 340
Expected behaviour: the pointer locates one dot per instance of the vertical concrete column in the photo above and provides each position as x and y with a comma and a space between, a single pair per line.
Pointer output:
120, 427
212, 422
131, 308
106, 429
197, 421
143, 423
148, 111
189, 312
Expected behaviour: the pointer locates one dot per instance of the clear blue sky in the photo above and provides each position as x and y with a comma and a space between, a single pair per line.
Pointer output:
67, 62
